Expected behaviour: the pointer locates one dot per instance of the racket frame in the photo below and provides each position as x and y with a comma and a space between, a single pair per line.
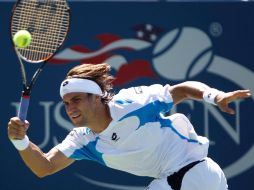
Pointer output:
26, 92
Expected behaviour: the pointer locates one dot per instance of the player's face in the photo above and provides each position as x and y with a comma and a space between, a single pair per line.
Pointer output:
80, 108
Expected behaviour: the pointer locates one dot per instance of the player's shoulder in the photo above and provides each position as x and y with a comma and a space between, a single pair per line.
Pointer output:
80, 132
139, 90
133, 98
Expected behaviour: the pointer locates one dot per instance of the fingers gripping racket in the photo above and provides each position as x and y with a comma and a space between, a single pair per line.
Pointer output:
48, 23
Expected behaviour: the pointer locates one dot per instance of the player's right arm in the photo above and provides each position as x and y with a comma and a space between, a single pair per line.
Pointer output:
41, 164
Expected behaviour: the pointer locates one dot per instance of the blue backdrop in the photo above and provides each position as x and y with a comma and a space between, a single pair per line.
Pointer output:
145, 43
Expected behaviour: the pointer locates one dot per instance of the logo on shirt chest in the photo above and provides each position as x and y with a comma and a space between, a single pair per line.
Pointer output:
114, 137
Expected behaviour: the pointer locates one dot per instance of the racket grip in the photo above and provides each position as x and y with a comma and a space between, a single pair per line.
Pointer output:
23, 107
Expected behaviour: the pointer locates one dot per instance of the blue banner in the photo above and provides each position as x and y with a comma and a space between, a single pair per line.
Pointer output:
145, 43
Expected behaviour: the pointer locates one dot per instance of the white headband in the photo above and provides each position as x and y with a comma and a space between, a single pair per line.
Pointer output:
79, 85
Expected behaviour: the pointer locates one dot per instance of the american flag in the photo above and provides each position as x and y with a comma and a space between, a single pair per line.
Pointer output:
130, 58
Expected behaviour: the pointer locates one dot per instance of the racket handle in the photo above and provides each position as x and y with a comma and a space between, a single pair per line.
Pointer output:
23, 107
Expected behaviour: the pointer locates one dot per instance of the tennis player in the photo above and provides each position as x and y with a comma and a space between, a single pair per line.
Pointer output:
130, 131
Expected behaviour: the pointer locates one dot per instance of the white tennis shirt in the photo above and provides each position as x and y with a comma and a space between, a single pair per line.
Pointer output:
140, 139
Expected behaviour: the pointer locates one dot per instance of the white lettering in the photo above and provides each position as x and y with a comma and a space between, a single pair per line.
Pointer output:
233, 133
46, 114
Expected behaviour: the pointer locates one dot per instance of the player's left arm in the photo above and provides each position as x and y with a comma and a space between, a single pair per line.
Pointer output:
199, 91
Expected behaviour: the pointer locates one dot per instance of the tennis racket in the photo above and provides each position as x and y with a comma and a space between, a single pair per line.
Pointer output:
48, 23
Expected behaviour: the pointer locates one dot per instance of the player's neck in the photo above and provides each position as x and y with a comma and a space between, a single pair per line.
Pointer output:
102, 120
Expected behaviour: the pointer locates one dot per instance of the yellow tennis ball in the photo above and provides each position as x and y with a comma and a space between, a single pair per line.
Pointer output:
22, 38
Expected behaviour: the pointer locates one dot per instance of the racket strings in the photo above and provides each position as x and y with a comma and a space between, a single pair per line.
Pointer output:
47, 21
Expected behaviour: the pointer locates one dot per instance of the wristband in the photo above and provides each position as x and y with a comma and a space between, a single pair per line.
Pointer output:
21, 144
210, 94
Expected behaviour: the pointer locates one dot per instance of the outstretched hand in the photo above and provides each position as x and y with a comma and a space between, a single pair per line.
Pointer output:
223, 99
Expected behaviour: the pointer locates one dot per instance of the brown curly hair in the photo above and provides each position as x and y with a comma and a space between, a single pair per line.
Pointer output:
98, 73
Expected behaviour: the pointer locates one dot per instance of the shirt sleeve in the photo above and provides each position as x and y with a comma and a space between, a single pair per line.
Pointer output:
72, 142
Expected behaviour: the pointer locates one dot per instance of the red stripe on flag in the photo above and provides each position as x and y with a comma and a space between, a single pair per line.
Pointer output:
133, 71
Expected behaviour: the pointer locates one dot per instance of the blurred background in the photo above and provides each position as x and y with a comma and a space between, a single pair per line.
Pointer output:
145, 42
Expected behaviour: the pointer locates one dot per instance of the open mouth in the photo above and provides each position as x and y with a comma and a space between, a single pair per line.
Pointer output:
75, 116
